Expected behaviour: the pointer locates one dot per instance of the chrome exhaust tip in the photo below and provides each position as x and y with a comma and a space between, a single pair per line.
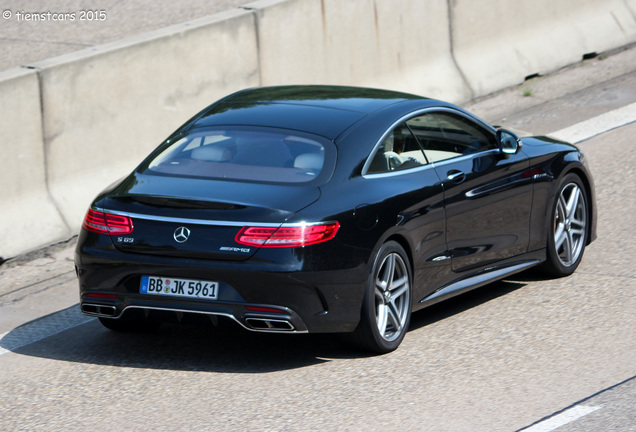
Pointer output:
98, 310
268, 324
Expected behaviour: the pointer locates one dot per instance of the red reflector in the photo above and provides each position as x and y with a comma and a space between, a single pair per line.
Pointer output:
98, 295
287, 236
533, 172
106, 223
263, 309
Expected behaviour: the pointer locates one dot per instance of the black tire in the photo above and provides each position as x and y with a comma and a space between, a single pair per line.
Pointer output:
387, 303
568, 228
127, 325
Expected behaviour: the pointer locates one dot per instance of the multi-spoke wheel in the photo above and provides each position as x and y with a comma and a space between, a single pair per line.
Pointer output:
569, 227
392, 296
386, 309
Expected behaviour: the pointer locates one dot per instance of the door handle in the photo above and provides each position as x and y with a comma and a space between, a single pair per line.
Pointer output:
456, 176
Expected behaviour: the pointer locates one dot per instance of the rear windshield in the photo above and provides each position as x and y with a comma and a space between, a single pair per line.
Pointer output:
260, 156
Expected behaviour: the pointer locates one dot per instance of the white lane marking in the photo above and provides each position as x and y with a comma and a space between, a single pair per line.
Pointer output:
559, 420
2, 350
597, 125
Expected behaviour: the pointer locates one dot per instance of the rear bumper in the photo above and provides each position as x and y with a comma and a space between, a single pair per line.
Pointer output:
285, 321
304, 301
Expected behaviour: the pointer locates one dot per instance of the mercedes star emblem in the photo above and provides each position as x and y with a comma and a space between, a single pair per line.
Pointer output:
181, 234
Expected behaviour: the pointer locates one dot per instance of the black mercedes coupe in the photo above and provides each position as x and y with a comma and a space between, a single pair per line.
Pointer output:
329, 209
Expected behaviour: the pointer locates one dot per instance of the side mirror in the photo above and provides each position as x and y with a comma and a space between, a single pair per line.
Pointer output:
509, 143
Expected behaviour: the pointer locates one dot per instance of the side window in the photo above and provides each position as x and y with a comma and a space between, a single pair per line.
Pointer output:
399, 150
445, 135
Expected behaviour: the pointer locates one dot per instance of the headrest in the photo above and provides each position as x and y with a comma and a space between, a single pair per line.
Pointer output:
212, 153
312, 161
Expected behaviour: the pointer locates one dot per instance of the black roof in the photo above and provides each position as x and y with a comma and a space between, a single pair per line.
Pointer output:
321, 110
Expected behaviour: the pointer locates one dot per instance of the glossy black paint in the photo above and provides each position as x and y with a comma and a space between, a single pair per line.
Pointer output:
495, 215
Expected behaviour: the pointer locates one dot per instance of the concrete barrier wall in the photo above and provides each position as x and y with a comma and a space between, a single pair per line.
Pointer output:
76, 123
105, 110
498, 43
400, 45
28, 217
417, 56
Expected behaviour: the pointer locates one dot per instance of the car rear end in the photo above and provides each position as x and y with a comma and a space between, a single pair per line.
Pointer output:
211, 225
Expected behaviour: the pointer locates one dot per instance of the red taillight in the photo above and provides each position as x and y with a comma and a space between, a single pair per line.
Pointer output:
287, 236
106, 223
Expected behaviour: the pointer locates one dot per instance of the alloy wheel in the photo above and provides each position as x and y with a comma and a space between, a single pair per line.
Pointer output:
570, 224
392, 297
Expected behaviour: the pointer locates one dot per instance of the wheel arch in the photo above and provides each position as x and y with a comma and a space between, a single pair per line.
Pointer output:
402, 241
589, 190
370, 334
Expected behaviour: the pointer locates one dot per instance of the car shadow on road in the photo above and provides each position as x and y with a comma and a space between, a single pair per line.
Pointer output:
200, 348
459, 304
185, 347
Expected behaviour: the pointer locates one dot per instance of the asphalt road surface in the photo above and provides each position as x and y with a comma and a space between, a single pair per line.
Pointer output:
522, 354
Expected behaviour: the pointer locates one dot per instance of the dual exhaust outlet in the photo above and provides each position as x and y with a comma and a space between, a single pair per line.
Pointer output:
268, 324
264, 324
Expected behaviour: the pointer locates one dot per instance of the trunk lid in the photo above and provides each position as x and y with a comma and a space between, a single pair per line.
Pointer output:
198, 218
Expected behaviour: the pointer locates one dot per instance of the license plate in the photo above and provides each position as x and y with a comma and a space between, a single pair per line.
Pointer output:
179, 287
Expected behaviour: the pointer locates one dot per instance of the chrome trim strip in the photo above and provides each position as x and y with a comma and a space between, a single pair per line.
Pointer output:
209, 222
187, 220
463, 157
437, 164
488, 189
399, 172
212, 313
481, 279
